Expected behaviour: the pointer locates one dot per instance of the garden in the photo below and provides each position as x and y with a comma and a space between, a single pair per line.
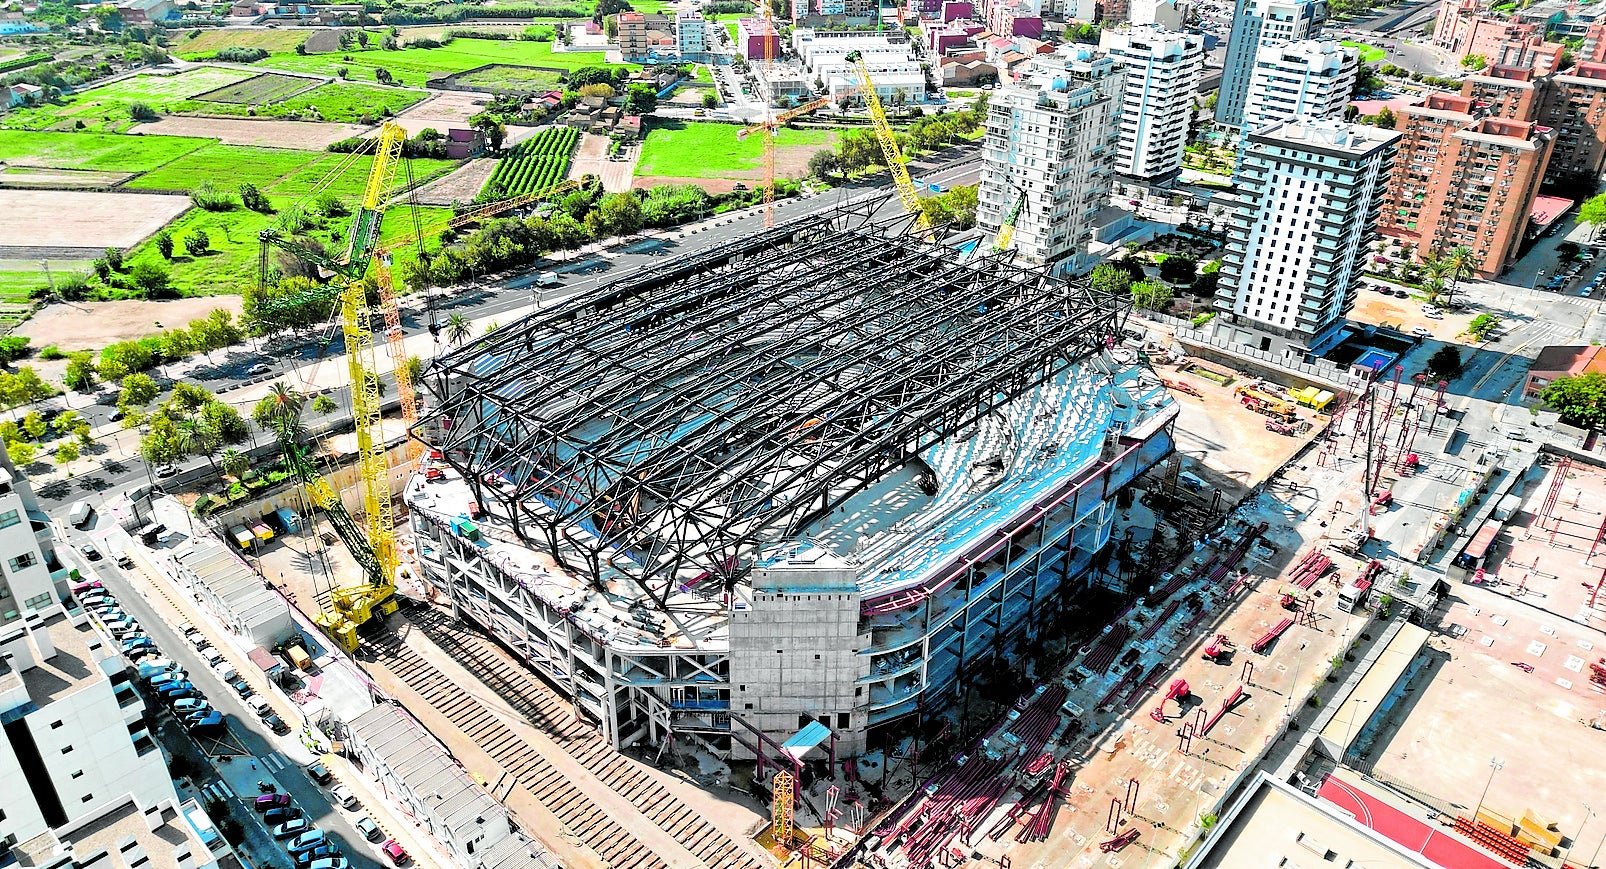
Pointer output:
534, 164
266, 88
509, 78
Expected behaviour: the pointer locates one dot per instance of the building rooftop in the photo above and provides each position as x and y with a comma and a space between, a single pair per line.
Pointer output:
76, 649
125, 836
1330, 136
1571, 359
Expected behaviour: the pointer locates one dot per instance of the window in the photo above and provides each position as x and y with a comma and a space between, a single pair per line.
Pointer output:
22, 561
38, 601
67, 750
55, 724
9, 518
78, 774
842, 721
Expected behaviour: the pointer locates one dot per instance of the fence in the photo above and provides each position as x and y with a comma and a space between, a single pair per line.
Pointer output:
1321, 371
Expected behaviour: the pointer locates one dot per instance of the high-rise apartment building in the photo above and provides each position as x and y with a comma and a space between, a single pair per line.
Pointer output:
1162, 73
1051, 142
646, 36
1517, 93
1311, 78
1576, 109
1258, 24
1464, 178
1308, 198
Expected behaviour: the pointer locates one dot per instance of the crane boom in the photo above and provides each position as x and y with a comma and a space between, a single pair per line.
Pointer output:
889, 145
1006, 233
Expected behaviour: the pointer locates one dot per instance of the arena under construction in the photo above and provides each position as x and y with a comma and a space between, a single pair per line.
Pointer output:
799, 488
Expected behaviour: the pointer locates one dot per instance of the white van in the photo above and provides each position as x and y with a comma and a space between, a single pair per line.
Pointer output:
80, 514
548, 279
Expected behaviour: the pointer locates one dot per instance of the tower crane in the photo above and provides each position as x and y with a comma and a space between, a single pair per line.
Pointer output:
771, 35
889, 146
1006, 232
373, 542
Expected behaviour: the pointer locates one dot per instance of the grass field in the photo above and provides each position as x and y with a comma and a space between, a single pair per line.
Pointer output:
278, 171
1369, 53
413, 66
339, 102
104, 152
209, 41
505, 77
265, 88
693, 150
106, 108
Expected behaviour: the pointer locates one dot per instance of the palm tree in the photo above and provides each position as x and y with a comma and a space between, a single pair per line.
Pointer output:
1433, 288
1462, 263
280, 411
458, 329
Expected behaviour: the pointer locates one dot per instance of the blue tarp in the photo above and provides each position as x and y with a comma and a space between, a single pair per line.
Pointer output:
810, 736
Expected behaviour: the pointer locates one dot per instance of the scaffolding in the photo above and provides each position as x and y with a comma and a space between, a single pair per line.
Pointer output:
668, 426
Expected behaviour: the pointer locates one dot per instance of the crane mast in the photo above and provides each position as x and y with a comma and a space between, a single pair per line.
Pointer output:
889, 146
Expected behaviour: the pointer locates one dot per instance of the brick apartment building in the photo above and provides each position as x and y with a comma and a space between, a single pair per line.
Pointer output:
643, 36
1576, 109
1464, 177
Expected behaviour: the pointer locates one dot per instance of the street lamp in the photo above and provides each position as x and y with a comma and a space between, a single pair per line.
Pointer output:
1495, 765
1588, 813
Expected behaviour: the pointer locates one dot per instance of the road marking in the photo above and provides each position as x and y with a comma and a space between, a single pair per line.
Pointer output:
218, 790
274, 762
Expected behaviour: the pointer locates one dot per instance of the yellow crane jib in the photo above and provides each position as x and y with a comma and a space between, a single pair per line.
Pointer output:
1006, 233
889, 146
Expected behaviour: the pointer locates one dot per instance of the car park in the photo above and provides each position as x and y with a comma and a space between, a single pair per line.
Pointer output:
319, 773
189, 705
396, 853
292, 828
369, 830
270, 801
281, 815
307, 841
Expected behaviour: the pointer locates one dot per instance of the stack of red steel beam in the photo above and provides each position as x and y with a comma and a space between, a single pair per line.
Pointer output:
1103, 653
1036, 829
1310, 568
1159, 621
1271, 635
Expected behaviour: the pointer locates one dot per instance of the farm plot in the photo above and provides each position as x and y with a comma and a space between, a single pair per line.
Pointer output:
534, 164
97, 151
207, 42
65, 220
417, 66
268, 87
674, 149
508, 77
106, 107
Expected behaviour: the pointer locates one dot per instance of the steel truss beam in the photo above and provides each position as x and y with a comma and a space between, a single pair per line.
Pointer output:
667, 426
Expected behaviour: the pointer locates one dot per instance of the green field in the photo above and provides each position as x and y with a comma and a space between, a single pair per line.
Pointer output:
338, 102
1369, 53
103, 152
106, 108
694, 150
279, 171
505, 77
265, 88
209, 41
414, 66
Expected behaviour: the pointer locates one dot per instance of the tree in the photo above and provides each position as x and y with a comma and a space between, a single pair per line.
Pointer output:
1568, 250
66, 421
825, 164
138, 390
860, 151
114, 258
1386, 119
21, 453
1462, 261
150, 276
1474, 62
620, 214
1179, 269
197, 243
235, 463
1109, 278
80, 374
1580, 399
1445, 363
254, 199
710, 100
413, 369
164, 244
1151, 295
279, 412
141, 112
34, 425
323, 404
66, 454
162, 444
491, 126
1593, 212
640, 99
28, 387
1482, 326
383, 75
458, 329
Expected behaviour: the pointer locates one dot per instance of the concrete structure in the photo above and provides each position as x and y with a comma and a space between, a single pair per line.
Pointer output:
1162, 73
1276, 824
33, 581
751, 34
890, 57
1576, 109
1311, 78
863, 587
126, 835
76, 744
145, 11
1309, 195
1016, 18
691, 35
1561, 361
231, 590
1053, 138
1258, 24
1593, 48
647, 36
1463, 177
415, 771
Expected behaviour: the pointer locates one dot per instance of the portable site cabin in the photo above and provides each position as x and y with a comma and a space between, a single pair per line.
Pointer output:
1312, 397
288, 520
242, 538
261, 532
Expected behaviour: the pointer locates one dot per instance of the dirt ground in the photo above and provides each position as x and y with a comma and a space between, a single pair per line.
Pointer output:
461, 184
592, 159
90, 325
442, 110
1216, 430
1405, 314
265, 133
77, 219
58, 179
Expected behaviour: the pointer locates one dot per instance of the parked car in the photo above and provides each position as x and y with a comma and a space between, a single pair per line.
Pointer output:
225, 671
270, 801
319, 773
149, 670
369, 830
241, 687
258, 705
190, 704
276, 724
343, 796
134, 655
396, 853
196, 718
331, 863
211, 722
291, 828
183, 694
139, 642
307, 841
199, 641
259, 369
325, 851
172, 687
89, 551
281, 815
124, 561
167, 677
1422, 332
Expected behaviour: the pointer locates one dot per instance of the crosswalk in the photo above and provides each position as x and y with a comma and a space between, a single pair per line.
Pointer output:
218, 790
275, 762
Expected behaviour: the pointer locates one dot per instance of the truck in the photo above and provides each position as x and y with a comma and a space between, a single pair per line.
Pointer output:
80, 514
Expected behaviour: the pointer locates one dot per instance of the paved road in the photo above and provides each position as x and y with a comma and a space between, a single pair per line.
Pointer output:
501, 300
261, 742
